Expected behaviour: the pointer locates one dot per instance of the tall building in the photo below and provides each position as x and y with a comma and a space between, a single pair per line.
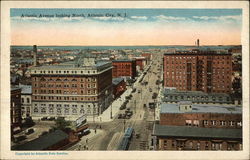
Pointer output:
71, 89
124, 68
198, 70
15, 109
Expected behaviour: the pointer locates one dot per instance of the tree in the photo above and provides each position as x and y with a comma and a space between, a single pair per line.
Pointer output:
62, 124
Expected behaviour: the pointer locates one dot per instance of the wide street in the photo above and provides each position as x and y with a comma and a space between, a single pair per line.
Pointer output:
110, 134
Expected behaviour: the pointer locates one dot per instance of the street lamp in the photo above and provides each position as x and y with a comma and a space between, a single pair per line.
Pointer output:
111, 107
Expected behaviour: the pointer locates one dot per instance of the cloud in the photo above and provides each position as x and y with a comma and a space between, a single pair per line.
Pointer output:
109, 18
169, 18
139, 17
219, 18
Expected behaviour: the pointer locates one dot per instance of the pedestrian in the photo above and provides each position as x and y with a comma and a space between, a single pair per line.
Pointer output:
87, 140
100, 127
95, 131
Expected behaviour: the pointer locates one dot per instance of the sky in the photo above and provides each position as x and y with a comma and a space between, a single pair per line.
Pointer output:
125, 27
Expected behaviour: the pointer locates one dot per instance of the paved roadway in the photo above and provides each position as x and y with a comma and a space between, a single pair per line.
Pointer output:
110, 134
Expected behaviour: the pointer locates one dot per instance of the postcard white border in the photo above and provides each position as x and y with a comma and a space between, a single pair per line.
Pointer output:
5, 79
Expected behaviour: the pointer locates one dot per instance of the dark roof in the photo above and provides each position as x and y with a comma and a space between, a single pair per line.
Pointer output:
185, 131
43, 142
123, 60
116, 81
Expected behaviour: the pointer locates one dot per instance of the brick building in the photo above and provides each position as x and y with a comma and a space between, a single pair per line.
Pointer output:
140, 63
189, 138
15, 109
198, 70
124, 68
201, 115
71, 89
119, 86
171, 95
187, 126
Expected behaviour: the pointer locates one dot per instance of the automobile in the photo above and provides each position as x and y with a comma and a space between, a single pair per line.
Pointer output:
120, 116
137, 135
154, 96
139, 91
51, 118
20, 138
122, 107
144, 105
44, 118
150, 90
29, 131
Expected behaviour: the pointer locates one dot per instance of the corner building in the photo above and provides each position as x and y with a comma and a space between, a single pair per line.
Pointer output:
82, 87
198, 70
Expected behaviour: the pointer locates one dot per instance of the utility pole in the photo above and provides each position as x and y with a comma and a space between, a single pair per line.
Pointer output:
124, 124
135, 105
111, 111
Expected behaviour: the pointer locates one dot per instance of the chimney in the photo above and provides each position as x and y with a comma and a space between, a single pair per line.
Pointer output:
34, 54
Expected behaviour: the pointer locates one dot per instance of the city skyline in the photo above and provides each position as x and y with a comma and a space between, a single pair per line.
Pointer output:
127, 27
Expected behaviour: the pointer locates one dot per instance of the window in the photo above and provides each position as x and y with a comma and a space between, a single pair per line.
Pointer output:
222, 123
231, 123
239, 124
188, 122
198, 145
213, 122
196, 122
22, 100
165, 143
35, 110
43, 110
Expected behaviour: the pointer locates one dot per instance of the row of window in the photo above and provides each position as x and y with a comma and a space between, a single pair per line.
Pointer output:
57, 109
66, 79
179, 144
63, 98
60, 71
213, 123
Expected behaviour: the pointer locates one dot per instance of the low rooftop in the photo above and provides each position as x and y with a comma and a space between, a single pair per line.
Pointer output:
43, 142
202, 108
187, 131
116, 81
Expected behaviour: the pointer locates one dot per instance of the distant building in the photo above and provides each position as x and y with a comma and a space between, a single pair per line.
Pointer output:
119, 86
124, 68
201, 115
148, 56
71, 89
15, 109
171, 95
198, 70
140, 62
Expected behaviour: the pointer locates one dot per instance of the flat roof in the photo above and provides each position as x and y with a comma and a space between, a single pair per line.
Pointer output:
117, 80
71, 64
188, 131
26, 89
123, 60
172, 90
43, 142
202, 108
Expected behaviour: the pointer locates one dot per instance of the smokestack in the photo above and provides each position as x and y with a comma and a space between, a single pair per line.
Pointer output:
34, 54
198, 43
